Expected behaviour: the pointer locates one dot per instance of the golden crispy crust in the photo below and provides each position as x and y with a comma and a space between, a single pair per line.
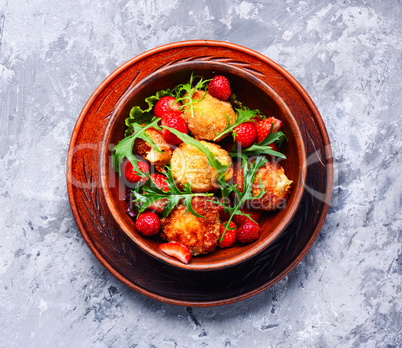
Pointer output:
190, 165
209, 116
142, 148
275, 182
200, 235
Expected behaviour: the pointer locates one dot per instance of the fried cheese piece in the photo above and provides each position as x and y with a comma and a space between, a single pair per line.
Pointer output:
209, 117
276, 185
190, 165
199, 234
142, 148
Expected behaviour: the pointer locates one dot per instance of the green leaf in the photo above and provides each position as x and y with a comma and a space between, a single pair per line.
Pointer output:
243, 115
249, 172
139, 116
150, 193
124, 149
212, 160
263, 146
185, 92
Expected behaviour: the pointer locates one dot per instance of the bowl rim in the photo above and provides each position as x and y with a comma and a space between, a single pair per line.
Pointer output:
137, 239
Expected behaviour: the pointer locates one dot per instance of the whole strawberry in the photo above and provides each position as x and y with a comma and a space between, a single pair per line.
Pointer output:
148, 223
245, 134
254, 214
230, 235
131, 175
160, 181
264, 127
173, 121
223, 215
219, 87
166, 105
247, 232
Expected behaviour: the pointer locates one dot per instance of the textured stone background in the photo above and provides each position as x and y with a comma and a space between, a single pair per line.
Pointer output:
345, 293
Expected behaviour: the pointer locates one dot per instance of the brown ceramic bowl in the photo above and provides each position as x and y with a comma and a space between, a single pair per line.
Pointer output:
254, 93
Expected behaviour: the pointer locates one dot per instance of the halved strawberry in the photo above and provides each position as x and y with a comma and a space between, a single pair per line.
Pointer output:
176, 250
173, 121
264, 126
166, 105
219, 87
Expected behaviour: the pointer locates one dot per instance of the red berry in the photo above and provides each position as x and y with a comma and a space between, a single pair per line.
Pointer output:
177, 250
245, 134
148, 223
166, 105
173, 121
160, 181
132, 175
219, 87
230, 236
264, 126
247, 232
223, 215
254, 214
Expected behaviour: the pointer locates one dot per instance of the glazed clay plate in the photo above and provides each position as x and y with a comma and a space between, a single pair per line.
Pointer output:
161, 281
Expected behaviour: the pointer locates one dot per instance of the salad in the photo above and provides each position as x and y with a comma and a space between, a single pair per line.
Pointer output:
200, 167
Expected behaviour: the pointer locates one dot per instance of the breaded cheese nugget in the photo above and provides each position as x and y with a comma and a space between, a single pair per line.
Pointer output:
209, 116
142, 148
275, 182
200, 235
190, 165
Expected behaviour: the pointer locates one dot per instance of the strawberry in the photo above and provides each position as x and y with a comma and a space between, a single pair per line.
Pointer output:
131, 175
223, 215
219, 87
160, 181
245, 134
254, 214
177, 250
264, 126
166, 105
148, 223
247, 232
230, 236
174, 121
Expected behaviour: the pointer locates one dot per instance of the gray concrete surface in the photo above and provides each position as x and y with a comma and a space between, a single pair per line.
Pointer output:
345, 293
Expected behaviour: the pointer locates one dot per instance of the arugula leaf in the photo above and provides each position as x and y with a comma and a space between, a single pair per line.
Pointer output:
124, 149
249, 172
185, 92
243, 115
263, 146
150, 193
212, 160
